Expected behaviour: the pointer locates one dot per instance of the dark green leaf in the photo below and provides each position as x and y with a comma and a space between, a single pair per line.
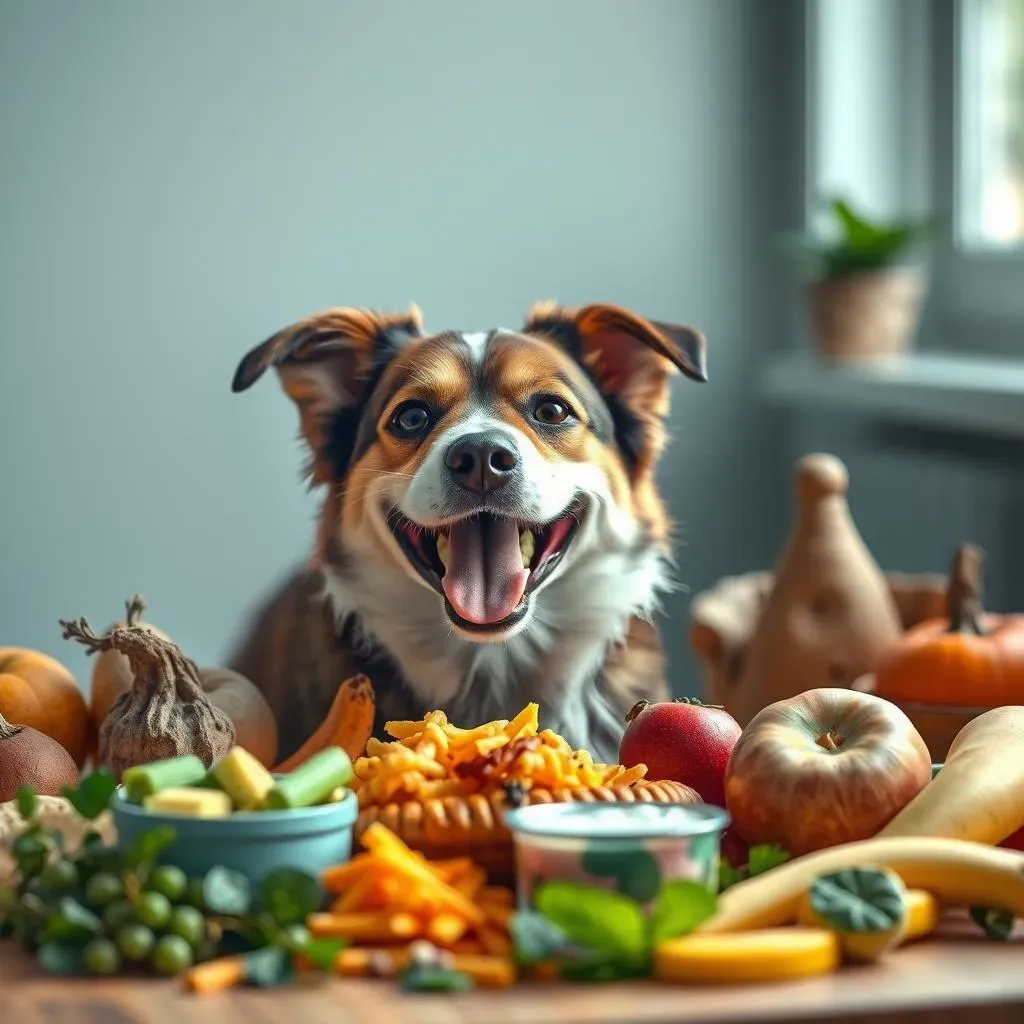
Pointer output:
603, 969
323, 952
607, 922
857, 231
290, 896
764, 857
859, 900
91, 797
227, 892
30, 851
148, 846
535, 938
996, 924
72, 923
26, 801
728, 875
268, 967
680, 907
429, 978
59, 958
636, 872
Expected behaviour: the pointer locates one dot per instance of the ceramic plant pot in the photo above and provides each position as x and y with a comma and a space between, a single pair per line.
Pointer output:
866, 316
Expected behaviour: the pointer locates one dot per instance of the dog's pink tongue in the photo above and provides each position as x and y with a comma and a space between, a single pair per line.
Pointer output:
485, 579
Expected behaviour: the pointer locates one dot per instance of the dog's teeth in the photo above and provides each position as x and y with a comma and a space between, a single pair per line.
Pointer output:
527, 546
442, 549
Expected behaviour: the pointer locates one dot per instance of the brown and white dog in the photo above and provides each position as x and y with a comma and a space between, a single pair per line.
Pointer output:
491, 531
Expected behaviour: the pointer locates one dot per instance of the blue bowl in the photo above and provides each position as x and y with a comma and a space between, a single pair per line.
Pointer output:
253, 843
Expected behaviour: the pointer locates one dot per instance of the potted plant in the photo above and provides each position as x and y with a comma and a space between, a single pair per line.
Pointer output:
866, 285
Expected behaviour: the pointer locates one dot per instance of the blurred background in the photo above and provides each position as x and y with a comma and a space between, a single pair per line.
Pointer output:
178, 180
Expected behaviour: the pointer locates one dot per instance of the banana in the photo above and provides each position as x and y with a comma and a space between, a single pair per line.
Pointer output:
956, 872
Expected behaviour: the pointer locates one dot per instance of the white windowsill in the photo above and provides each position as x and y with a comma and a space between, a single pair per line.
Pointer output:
975, 394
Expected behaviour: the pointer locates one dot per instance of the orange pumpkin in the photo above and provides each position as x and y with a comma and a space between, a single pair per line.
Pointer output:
37, 691
969, 659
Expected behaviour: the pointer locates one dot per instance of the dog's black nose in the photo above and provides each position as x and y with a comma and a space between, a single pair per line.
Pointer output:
482, 462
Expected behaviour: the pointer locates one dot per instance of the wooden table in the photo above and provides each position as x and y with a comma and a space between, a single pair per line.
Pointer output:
937, 981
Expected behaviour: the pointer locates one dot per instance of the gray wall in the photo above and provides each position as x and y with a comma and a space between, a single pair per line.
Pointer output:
180, 179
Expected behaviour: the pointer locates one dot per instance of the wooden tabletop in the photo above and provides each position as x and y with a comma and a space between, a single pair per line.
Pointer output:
931, 982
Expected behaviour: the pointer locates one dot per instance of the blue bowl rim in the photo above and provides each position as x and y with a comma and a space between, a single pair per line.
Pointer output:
271, 824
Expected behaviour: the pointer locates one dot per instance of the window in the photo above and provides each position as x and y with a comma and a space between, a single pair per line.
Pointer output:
990, 87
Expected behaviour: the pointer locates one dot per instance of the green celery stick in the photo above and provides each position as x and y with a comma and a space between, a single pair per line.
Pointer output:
311, 782
144, 780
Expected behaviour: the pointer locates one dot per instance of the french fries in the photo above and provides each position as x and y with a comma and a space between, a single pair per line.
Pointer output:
432, 759
390, 897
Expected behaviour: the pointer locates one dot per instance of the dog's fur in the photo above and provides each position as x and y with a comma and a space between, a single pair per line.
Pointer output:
582, 644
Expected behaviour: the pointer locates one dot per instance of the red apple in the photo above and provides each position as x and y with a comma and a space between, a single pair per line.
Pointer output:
826, 767
683, 741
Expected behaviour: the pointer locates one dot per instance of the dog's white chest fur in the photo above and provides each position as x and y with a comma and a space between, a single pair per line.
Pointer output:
576, 617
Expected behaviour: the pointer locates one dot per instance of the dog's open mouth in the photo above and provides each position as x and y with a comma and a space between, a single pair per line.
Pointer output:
486, 566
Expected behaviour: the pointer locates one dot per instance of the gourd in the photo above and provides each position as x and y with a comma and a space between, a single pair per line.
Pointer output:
348, 724
165, 713
979, 793
969, 659
254, 722
29, 757
956, 872
38, 692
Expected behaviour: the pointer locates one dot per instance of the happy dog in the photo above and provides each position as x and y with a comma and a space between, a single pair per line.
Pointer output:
491, 532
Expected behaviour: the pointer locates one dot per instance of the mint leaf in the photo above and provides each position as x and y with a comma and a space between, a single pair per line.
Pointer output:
603, 969
431, 978
728, 875
149, 846
323, 952
764, 857
26, 801
290, 896
91, 796
859, 900
72, 923
226, 892
58, 958
535, 938
679, 908
268, 967
597, 919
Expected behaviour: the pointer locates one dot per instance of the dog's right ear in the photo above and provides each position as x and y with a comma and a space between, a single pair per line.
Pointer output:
325, 363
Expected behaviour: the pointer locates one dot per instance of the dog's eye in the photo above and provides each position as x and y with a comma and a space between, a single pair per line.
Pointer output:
549, 410
410, 419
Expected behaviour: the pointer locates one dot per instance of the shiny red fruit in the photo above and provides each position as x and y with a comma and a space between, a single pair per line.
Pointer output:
682, 741
1014, 842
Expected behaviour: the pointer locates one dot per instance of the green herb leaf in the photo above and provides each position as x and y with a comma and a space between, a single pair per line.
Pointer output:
535, 938
603, 969
71, 923
268, 967
26, 801
430, 978
728, 875
764, 857
290, 896
996, 924
227, 892
323, 952
859, 900
60, 958
607, 922
91, 796
148, 846
30, 851
680, 907
636, 872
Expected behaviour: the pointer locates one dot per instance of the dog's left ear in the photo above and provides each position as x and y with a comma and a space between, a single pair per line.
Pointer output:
629, 357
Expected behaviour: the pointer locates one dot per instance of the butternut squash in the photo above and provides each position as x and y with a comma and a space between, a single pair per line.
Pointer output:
979, 793
348, 724
955, 872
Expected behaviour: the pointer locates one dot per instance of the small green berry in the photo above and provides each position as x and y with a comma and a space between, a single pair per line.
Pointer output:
169, 881
135, 941
171, 955
103, 888
101, 956
154, 910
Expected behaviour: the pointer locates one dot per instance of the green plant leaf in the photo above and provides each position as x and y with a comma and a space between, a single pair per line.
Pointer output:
31, 850
996, 924
71, 923
728, 875
430, 978
535, 938
604, 969
606, 922
268, 967
680, 907
227, 892
764, 857
290, 896
148, 846
636, 872
91, 797
859, 900
60, 958
26, 801
857, 231
323, 952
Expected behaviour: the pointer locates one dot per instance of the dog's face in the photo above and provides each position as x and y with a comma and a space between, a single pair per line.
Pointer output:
482, 466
